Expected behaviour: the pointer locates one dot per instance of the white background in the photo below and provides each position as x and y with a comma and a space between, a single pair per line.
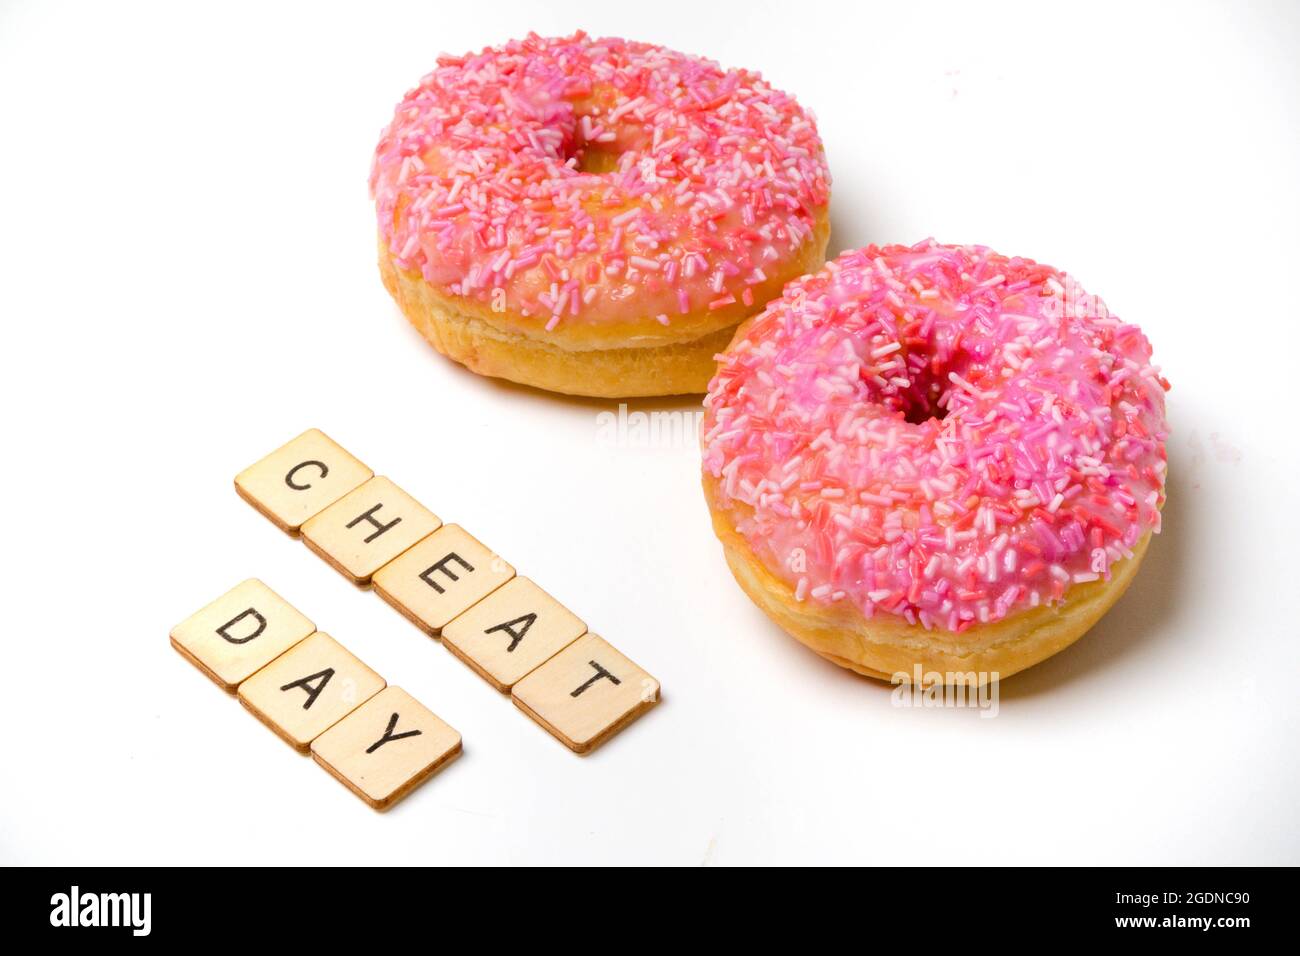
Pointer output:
187, 280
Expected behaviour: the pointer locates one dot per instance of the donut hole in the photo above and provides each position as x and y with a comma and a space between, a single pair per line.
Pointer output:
930, 372
593, 159
607, 152
926, 407
924, 398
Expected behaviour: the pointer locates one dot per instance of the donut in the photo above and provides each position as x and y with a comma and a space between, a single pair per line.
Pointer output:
594, 216
935, 460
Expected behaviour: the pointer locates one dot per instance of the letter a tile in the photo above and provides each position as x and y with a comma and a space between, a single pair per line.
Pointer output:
511, 632
386, 747
586, 693
440, 577
367, 528
300, 479
238, 633
306, 691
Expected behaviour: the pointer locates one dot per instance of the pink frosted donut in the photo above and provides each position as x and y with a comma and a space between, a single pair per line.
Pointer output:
935, 456
595, 216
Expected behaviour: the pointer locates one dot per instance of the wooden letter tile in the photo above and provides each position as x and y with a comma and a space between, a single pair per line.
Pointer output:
386, 747
300, 480
367, 528
440, 577
309, 689
512, 631
586, 693
240, 632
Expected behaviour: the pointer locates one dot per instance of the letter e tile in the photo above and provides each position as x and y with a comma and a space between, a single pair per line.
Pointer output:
440, 577
386, 747
240, 632
586, 693
304, 692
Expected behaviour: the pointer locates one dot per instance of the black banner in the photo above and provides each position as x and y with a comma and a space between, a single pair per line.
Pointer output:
260, 905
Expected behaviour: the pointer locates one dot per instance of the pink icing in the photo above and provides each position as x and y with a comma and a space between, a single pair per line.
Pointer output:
1047, 466
478, 183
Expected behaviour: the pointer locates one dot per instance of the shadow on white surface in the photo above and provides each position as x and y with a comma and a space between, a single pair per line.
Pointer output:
847, 231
